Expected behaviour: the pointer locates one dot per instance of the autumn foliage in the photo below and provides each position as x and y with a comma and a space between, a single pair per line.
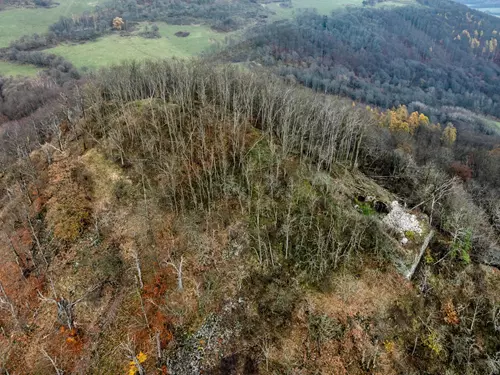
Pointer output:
450, 314
398, 120
461, 170
118, 23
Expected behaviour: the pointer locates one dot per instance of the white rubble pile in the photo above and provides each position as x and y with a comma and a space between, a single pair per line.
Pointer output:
402, 222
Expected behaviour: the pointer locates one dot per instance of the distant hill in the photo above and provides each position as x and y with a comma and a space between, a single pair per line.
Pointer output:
487, 6
438, 53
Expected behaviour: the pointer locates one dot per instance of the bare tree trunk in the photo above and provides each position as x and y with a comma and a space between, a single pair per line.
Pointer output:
420, 255
65, 308
37, 241
137, 262
18, 258
158, 346
178, 269
6, 303
130, 351
53, 362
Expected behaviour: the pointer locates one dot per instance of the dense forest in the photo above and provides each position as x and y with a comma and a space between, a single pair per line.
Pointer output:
438, 53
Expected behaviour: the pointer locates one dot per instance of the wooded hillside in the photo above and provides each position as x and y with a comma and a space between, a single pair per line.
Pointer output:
188, 218
438, 53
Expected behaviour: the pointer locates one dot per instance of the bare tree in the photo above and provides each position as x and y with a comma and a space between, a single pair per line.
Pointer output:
178, 269
129, 349
57, 370
137, 263
7, 305
65, 307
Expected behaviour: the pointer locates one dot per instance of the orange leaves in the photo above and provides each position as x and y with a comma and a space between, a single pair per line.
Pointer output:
450, 314
461, 170
73, 339
157, 288
22, 237
153, 295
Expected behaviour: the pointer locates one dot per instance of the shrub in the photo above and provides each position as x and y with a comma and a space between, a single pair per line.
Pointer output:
323, 328
122, 190
69, 209
70, 218
450, 313
433, 342
462, 247
461, 170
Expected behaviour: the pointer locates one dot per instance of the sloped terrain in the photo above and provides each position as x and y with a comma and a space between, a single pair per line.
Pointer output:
189, 219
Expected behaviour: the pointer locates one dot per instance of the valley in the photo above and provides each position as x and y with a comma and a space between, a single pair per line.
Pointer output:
111, 49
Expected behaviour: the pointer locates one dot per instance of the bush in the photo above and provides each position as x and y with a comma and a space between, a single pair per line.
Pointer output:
69, 220
322, 328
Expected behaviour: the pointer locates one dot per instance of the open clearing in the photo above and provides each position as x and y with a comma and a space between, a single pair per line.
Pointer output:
395, 3
114, 48
322, 6
494, 123
325, 6
16, 22
9, 69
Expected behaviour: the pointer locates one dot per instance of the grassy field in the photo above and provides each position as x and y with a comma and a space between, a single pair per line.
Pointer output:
495, 124
16, 22
322, 6
325, 6
9, 69
395, 3
114, 48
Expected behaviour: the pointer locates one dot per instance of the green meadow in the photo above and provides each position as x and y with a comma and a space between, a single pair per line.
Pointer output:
114, 48
9, 69
322, 6
16, 22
